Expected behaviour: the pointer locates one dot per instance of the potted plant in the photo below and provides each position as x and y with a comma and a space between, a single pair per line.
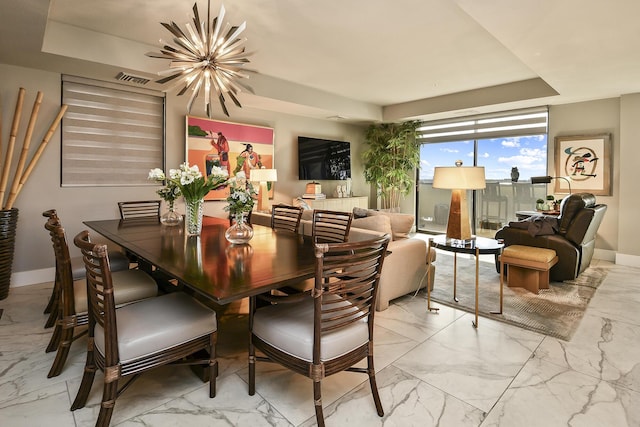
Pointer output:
391, 159
551, 202
539, 204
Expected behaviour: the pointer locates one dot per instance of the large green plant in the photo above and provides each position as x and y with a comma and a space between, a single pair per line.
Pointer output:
391, 159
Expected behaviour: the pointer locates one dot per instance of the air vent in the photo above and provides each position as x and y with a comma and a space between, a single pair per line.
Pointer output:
131, 78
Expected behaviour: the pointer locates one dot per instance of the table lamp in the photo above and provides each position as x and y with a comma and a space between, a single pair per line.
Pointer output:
459, 179
547, 179
263, 176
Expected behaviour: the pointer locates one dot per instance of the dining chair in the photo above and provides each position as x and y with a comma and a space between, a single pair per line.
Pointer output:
118, 260
139, 209
129, 340
286, 217
331, 226
329, 330
72, 306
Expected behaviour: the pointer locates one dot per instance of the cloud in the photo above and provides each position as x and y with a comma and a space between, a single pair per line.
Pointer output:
510, 143
449, 150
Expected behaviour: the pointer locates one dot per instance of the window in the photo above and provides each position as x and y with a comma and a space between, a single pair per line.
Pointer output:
111, 134
512, 146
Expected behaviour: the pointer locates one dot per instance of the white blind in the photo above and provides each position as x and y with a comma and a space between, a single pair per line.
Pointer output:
111, 134
533, 121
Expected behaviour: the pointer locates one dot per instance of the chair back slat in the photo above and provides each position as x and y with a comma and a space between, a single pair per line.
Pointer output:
331, 226
102, 307
285, 217
347, 277
139, 209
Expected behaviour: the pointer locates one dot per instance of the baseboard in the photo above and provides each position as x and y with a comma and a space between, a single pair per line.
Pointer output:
628, 260
605, 255
32, 277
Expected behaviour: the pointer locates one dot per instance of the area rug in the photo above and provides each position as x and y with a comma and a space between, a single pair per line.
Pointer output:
556, 311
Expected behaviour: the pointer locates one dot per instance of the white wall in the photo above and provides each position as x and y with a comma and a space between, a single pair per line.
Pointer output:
590, 118
33, 259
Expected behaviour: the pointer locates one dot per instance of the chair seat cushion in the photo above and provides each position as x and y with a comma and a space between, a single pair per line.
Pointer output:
117, 261
289, 327
128, 286
155, 324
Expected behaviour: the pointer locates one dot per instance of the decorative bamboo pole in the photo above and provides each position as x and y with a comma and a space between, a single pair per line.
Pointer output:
37, 154
25, 149
11, 145
0, 139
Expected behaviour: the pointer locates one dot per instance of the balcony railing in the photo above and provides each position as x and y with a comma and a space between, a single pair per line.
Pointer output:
496, 205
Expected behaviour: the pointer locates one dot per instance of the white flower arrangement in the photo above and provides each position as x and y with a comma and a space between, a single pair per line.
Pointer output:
189, 180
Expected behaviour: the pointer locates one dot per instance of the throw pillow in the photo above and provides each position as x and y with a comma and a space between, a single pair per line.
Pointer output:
401, 224
360, 212
379, 223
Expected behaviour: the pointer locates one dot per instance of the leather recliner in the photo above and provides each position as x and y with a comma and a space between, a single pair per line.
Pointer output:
573, 238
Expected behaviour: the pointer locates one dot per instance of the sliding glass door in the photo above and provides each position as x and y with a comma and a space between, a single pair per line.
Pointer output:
514, 150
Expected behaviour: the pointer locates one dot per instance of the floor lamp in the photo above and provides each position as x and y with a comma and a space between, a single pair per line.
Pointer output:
459, 179
547, 180
263, 176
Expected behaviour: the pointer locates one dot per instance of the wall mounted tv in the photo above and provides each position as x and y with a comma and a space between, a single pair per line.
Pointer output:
323, 159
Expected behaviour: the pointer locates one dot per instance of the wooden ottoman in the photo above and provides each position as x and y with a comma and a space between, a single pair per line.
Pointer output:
528, 266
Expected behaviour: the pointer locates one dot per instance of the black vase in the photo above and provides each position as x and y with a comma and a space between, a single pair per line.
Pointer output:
8, 226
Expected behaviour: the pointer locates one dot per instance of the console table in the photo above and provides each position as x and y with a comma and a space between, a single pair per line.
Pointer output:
341, 204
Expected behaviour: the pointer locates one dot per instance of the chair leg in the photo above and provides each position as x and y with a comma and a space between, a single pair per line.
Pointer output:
56, 336
213, 365
252, 349
374, 387
317, 401
53, 306
66, 339
87, 379
51, 320
53, 299
109, 395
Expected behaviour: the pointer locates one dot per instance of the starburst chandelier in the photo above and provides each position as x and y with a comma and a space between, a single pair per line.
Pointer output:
208, 57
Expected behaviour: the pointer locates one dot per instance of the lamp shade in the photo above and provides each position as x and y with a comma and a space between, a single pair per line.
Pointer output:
264, 175
459, 177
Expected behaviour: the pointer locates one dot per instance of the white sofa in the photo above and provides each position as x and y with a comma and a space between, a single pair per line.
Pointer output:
405, 268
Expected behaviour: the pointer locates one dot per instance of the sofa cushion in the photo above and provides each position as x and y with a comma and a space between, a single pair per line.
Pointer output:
379, 223
401, 224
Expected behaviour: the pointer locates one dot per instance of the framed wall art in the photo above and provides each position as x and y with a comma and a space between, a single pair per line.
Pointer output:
586, 160
231, 146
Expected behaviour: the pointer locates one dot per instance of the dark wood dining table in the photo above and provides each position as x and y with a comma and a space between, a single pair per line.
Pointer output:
208, 264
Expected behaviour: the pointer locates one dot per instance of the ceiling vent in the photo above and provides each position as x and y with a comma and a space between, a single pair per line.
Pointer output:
124, 77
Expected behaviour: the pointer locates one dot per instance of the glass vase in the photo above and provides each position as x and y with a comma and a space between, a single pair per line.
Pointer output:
193, 216
171, 217
239, 233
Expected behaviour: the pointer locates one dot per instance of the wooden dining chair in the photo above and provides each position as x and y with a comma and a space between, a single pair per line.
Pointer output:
139, 209
330, 330
71, 307
118, 260
286, 217
331, 226
129, 340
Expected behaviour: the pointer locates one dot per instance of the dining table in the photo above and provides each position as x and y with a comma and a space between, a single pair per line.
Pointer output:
208, 264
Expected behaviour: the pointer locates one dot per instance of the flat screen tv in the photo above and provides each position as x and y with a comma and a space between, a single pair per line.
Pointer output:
323, 159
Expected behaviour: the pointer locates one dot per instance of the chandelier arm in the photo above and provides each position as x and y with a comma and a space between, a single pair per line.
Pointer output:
194, 94
217, 24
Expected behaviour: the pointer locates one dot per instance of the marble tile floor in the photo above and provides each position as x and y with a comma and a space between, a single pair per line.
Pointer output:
433, 370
